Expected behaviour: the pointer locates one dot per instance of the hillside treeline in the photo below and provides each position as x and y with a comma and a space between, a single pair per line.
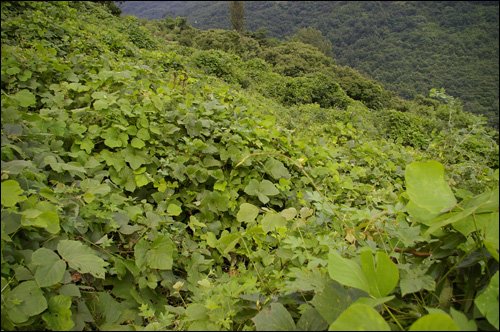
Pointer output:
410, 47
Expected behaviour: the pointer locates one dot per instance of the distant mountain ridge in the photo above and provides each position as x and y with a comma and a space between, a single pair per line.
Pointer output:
410, 47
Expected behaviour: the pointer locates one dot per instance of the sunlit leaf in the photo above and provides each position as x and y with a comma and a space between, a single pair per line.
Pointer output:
174, 210
382, 276
11, 193
426, 186
346, 272
434, 322
271, 221
359, 317
247, 213
25, 98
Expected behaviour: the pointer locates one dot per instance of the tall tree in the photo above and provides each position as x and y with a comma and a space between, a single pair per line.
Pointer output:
237, 12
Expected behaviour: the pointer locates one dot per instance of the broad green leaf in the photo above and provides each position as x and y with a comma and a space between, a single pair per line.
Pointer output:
81, 258
462, 322
143, 134
135, 157
45, 219
268, 188
196, 311
13, 70
346, 272
70, 290
112, 159
25, 98
50, 267
276, 169
277, 318
334, 299
195, 224
221, 186
11, 193
111, 138
261, 189
227, 242
141, 180
76, 128
11, 221
215, 201
210, 161
59, 318
359, 317
51, 220
157, 102
140, 252
472, 222
450, 218
247, 213
487, 301
109, 307
434, 322
15, 166
174, 210
101, 104
88, 198
24, 301
160, 254
421, 214
311, 320
252, 188
484, 203
271, 221
414, 279
48, 194
383, 277
490, 239
426, 187
289, 213
137, 143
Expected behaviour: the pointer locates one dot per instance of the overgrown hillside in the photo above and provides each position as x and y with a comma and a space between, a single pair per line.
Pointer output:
409, 46
167, 178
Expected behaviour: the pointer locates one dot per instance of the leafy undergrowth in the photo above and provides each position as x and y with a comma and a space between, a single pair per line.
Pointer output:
139, 192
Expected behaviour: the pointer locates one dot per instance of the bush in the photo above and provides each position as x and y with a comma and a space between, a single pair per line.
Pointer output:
138, 35
214, 62
320, 89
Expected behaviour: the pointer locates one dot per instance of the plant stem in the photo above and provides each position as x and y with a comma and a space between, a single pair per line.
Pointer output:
394, 318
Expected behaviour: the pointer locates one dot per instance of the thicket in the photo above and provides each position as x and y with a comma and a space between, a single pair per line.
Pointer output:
151, 184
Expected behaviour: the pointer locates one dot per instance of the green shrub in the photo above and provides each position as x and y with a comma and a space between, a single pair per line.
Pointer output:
215, 62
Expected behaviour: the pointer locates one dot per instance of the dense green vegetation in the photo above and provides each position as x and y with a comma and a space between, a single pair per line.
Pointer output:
160, 177
409, 46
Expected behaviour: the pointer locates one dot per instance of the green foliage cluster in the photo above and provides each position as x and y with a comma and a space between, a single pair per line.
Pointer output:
144, 188
410, 47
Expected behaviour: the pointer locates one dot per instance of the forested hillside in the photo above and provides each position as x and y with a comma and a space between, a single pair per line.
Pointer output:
160, 177
409, 46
